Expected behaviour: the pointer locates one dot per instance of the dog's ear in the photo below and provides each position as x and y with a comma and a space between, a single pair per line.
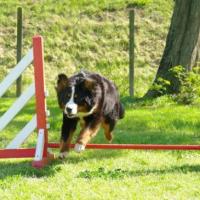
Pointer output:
62, 82
89, 83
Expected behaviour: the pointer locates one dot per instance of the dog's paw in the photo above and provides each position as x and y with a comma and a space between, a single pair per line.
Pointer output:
79, 147
110, 141
63, 155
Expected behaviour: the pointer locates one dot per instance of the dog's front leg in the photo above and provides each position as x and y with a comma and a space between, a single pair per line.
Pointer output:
68, 128
89, 130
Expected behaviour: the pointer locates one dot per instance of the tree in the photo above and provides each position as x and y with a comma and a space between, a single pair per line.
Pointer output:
182, 44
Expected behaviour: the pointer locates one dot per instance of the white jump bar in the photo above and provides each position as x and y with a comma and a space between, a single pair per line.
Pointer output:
16, 72
17, 106
23, 134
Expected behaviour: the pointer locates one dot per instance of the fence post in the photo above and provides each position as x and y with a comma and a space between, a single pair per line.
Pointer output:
131, 51
19, 49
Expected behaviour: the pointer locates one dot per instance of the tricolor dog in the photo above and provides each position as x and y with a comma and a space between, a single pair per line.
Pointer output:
90, 99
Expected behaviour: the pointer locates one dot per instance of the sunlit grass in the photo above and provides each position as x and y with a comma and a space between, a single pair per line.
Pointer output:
112, 174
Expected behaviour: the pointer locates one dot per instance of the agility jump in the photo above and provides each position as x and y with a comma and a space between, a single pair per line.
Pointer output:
40, 153
38, 121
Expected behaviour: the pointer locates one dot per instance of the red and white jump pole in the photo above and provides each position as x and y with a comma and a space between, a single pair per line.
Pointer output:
41, 154
39, 121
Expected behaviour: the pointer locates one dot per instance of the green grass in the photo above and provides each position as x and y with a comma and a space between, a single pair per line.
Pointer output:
92, 35
112, 174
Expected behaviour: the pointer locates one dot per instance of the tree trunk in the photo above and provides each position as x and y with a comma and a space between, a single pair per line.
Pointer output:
182, 44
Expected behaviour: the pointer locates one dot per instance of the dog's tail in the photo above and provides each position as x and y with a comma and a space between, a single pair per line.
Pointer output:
121, 111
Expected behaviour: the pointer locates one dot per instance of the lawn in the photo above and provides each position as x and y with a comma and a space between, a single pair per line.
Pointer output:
112, 174
93, 35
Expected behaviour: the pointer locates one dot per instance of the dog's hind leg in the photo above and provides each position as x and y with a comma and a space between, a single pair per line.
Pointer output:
108, 126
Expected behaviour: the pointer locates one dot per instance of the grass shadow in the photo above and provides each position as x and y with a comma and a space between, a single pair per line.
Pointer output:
10, 168
183, 169
120, 173
90, 155
24, 168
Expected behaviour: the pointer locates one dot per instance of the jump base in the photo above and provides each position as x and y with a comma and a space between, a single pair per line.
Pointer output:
42, 163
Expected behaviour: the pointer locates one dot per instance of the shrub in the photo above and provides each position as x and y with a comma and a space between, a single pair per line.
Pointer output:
182, 84
189, 90
160, 86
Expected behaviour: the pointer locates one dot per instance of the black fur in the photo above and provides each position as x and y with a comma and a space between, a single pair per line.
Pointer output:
66, 129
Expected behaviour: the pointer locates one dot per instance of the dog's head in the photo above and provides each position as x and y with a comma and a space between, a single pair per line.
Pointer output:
75, 95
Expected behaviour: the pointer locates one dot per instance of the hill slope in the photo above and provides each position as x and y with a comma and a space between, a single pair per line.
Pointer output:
90, 35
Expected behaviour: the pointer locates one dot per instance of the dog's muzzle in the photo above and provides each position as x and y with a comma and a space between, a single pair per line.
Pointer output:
71, 110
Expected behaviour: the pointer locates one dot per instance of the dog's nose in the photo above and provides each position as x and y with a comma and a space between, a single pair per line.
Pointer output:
69, 110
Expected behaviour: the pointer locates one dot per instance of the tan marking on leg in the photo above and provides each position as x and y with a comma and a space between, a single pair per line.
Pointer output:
107, 132
64, 146
86, 134
63, 150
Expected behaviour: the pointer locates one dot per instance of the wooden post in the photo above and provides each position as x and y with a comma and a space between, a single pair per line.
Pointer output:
131, 51
19, 49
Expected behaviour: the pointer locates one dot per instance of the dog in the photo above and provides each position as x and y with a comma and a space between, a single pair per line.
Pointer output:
90, 99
